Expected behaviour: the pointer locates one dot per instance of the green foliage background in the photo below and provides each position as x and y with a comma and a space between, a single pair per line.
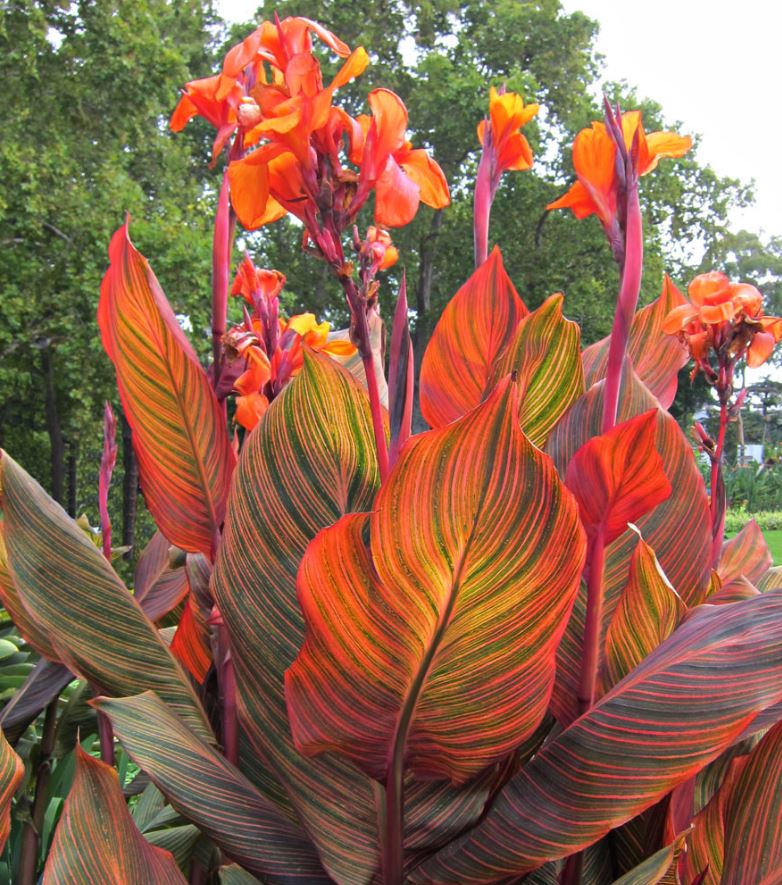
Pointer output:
89, 87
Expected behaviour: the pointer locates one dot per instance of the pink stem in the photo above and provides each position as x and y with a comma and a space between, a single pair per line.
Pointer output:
221, 267
625, 308
482, 206
718, 490
594, 621
230, 718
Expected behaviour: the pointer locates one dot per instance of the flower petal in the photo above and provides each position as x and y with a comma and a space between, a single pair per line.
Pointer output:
396, 197
577, 199
429, 177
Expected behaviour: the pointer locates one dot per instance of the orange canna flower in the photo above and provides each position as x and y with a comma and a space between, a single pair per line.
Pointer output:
201, 99
402, 177
724, 315
384, 251
508, 114
594, 159
251, 281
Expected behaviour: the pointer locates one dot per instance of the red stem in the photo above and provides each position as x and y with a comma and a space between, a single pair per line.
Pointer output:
718, 490
221, 261
482, 207
625, 308
594, 621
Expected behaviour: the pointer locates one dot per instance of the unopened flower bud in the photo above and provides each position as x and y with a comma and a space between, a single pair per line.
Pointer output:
249, 114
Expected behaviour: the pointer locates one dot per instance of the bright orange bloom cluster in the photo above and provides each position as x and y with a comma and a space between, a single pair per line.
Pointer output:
724, 317
272, 348
507, 115
384, 252
594, 160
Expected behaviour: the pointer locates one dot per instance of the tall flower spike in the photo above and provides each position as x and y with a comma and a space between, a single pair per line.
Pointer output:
402, 177
504, 149
595, 162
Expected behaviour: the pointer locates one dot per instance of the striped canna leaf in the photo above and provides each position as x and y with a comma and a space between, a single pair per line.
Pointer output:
432, 623
658, 868
656, 729
72, 594
179, 433
11, 775
206, 789
678, 529
475, 327
545, 354
310, 460
753, 810
96, 839
655, 356
648, 612
747, 555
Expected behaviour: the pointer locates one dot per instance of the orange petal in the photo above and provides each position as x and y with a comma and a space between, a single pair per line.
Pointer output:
664, 144
390, 116
396, 197
249, 182
339, 347
707, 285
594, 160
577, 199
330, 39
717, 313
515, 154
773, 325
760, 349
183, 113
746, 298
238, 57
429, 177
353, 67
250, 409
680, 317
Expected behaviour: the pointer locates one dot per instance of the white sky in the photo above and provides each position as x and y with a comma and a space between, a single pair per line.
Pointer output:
715, 66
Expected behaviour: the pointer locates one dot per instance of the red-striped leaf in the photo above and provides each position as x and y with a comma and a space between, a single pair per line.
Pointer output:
9, 596
475, 327
158, 586
747, 554
678, 529
655, 356
680, 709
310, 460
753, 847
545, 354
618, 477
733, 591
11, 775
45, 681
771, 580
179, 434
656, 868
448, 619
190, 645
70, 591
206, 789
96, 839
648, 612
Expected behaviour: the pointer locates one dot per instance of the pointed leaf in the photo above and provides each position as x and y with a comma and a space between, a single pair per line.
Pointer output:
655, 356
158, 586
618, 477
310, 460
96, 839
545, 354
11, 775
72, 593
44, 683
659, 726
753, 848
401, 376
475, 327
179, 434
747, 554
648, 612
190, 645
655, 868
448, 620
771, 580
678, 529
206, 789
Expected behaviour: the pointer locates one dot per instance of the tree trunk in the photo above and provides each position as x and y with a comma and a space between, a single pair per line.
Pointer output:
424, 305
73, 449
129, 489
53, 425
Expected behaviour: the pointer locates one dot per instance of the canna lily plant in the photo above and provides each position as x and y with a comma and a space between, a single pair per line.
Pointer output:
512, 648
